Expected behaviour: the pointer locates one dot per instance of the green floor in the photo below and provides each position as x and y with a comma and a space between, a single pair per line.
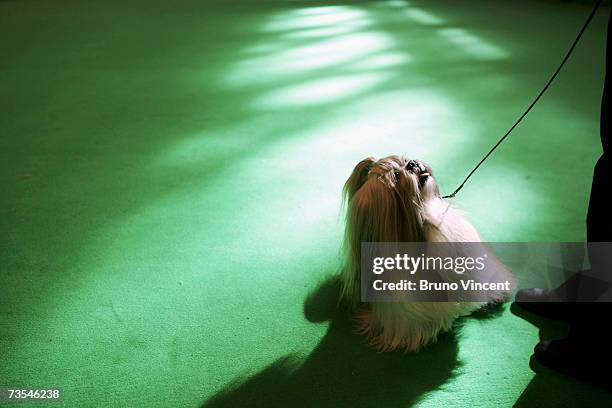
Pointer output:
170, 184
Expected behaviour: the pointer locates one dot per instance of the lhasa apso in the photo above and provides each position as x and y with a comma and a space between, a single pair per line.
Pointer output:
398, 200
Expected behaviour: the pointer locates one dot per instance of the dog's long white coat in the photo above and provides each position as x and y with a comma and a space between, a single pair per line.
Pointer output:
406, 325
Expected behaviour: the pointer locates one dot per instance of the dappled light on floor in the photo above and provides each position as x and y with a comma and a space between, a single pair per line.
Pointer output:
472, 45
320, 91
287, 60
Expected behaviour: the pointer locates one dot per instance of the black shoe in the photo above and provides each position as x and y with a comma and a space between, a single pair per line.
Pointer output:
541, 302
549, 303
584, 361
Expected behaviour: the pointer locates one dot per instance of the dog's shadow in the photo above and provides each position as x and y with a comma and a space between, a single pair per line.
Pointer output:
342, 370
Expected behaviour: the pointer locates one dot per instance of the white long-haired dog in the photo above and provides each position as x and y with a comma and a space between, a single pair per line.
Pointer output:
398, 200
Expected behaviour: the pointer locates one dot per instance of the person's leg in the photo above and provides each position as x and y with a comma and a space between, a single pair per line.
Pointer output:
586, 349
606, 103
598, 217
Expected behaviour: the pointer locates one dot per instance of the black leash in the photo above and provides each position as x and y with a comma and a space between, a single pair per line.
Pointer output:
537, 98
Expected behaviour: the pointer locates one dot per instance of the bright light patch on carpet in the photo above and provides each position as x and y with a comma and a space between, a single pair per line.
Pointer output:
329, 31
422, 17
382, 61
319, 11
472, 44
395, 3
292, 61
293, 21
319, 91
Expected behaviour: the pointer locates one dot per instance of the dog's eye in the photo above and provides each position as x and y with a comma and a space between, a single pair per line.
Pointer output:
397, 175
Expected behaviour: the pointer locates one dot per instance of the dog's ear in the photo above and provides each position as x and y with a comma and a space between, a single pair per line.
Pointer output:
377, 212
357, 178
372, 216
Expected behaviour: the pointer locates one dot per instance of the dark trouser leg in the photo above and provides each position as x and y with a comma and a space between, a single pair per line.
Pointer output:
587, 317
598, 217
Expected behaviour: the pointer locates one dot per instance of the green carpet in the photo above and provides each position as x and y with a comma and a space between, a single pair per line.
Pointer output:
171, 176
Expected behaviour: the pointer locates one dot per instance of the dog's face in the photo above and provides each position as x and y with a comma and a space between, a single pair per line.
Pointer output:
385, 199
402, 176
400, 173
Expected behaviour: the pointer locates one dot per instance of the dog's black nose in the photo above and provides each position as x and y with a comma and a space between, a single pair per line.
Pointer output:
412, 164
